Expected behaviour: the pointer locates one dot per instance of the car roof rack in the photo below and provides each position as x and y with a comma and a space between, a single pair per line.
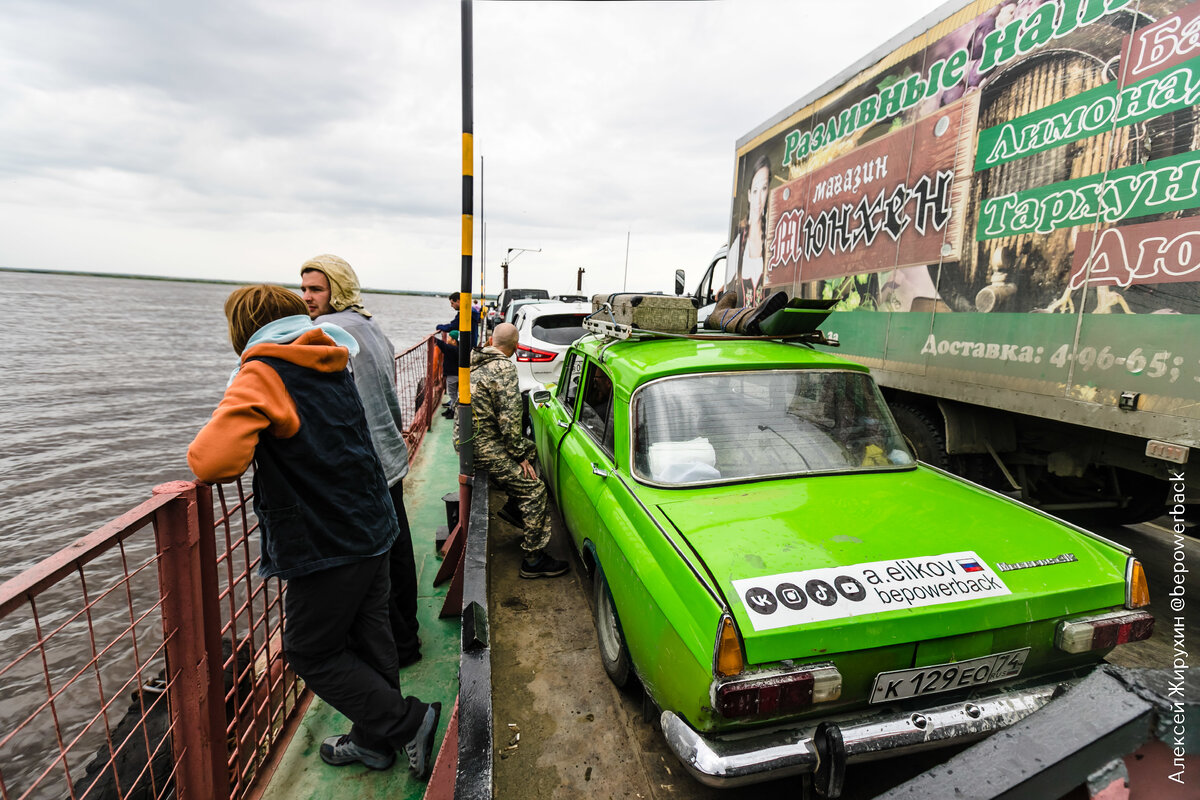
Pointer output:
611, 329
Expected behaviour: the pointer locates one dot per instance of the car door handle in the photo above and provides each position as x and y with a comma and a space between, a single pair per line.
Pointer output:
597, 470
562, 424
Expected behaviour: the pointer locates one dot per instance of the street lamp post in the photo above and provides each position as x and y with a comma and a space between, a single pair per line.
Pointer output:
509, 258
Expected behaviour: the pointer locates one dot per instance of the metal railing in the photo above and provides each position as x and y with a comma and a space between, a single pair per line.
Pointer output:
419, 384
181, 689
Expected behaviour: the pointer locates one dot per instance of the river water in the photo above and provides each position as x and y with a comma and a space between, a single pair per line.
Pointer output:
104, 383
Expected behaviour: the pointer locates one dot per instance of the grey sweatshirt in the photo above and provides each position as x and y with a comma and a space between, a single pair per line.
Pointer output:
373, 371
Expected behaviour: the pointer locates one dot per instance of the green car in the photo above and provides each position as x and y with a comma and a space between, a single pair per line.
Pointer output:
786, 580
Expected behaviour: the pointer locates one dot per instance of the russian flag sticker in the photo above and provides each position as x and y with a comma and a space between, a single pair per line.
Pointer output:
970, 565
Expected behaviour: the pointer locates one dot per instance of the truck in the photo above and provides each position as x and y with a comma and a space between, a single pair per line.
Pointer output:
1001, 203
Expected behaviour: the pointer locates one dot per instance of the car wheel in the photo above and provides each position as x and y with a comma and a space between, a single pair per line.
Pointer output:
614, 655
922, 433
526, 416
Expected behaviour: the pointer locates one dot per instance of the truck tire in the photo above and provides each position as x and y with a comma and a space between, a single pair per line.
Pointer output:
922, 433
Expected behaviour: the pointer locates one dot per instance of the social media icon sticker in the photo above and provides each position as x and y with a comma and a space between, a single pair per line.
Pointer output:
821, 592
791, 596
761, 600
850, 588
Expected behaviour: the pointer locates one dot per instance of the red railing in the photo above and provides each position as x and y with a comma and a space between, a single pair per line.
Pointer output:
141, 667
419, 384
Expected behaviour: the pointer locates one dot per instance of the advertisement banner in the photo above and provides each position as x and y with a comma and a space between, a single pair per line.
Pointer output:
1020, 157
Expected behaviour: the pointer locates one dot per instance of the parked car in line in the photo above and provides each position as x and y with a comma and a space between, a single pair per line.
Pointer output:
501, 310
784, 579
547, 328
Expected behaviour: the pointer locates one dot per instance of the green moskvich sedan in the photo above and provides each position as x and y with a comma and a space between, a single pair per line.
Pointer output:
785, 580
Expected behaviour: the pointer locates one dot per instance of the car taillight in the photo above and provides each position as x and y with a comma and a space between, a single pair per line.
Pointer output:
1103, 631
779, 693
526, 353
1137, 590
728, 659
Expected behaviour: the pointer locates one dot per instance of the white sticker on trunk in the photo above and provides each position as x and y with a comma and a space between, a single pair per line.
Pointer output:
793, 598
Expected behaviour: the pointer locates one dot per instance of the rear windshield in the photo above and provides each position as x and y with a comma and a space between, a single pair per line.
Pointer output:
526, 294
734, 426
559, 328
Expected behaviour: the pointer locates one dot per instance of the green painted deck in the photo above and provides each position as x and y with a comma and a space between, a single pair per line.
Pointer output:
301, 772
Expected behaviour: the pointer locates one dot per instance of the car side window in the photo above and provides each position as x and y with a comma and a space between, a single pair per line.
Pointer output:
704, 292
596, 410
572, 371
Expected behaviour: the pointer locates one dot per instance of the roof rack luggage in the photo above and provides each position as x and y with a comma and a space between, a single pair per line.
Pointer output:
661, 313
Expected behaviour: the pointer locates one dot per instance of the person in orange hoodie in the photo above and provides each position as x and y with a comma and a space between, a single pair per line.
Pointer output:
325, 517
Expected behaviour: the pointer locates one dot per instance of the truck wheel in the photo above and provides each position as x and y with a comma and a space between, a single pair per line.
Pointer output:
923, 434
614, 655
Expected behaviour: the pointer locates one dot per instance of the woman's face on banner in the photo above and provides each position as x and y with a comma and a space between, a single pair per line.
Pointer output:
758, 193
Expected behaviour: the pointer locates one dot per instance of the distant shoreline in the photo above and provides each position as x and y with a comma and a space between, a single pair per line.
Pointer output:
129, 276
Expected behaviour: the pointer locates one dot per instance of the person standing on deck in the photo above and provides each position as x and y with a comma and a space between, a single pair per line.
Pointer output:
326, 522
332, 294
450, 351
505, 453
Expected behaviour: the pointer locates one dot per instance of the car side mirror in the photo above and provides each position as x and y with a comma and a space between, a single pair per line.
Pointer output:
540, 397
680, 282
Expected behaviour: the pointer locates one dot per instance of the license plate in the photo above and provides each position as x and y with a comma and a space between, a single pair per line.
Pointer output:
902, 683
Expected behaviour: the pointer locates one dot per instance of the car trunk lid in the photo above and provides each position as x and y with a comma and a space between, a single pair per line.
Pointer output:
798, 560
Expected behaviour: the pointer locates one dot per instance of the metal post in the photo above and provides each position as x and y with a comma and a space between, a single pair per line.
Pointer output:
432, 391
466, 422
194, 671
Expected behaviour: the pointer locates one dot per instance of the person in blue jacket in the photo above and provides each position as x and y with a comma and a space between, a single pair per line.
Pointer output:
450, 351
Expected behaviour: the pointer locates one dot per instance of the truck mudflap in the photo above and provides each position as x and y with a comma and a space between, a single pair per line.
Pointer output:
1102, 734
1093, 727
745, 758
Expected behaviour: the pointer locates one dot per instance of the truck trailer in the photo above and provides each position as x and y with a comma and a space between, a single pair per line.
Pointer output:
1003, 204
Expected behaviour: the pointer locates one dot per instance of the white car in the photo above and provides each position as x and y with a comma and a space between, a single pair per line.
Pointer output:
547, 329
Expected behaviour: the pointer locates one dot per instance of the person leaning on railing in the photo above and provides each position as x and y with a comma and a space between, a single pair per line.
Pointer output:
450, 351
325, 518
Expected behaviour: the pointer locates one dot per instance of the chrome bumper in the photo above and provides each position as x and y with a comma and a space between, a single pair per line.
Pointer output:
737, 759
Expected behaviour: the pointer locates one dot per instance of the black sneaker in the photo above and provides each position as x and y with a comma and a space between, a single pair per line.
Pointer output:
340, 751
420, 749
542, 565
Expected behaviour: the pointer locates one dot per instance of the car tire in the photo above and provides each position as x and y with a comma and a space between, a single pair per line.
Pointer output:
922, 433
527, 416
614, 655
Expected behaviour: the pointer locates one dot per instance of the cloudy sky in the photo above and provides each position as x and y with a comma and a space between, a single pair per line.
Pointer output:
233, 140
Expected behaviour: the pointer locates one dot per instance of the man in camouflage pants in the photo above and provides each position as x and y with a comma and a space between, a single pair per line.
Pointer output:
504, 452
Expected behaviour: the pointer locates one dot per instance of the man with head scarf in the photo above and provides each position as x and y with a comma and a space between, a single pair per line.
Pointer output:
332, 294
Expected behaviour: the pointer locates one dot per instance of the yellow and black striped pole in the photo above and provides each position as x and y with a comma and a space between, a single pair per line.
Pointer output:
466, 427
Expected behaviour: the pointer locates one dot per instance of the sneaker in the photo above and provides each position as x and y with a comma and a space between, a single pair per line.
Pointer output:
420, 749
340, 751
542, 565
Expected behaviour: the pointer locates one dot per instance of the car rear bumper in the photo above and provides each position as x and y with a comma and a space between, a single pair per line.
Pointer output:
749, 757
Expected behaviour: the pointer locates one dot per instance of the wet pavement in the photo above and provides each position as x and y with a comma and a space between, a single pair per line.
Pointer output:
562, 730
1155, 544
